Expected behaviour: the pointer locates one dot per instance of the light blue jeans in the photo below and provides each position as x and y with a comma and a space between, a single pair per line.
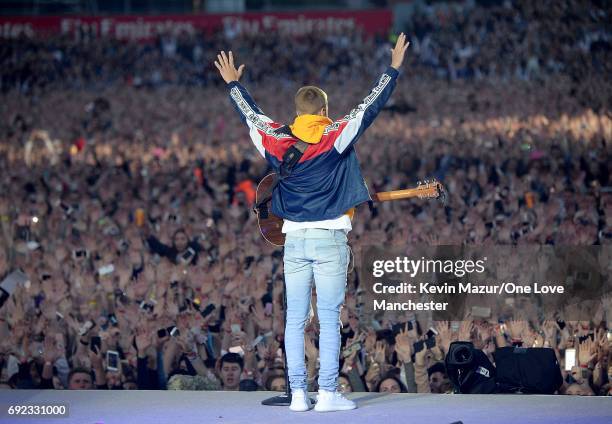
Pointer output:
323, 255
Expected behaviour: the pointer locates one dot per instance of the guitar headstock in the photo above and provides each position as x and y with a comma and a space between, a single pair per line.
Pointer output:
431, 189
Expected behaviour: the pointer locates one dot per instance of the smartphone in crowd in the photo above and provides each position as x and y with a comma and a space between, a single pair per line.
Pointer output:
113, 320
86, 327
422, 344
66, 208
162, 332
431, 333
348, 351
80, 254
418, 346
396, 328
23, 232
261, 337
146, 306
106, 269
207, 311
32, 245
570, 359
173, 331
187, 256
237, 349
95, 344
112, 360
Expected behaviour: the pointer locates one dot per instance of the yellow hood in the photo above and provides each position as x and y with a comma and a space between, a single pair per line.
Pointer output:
309, 128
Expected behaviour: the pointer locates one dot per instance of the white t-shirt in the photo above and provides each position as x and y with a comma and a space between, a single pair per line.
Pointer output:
343, 222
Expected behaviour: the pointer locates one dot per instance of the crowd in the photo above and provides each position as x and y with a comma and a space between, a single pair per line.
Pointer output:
127, 184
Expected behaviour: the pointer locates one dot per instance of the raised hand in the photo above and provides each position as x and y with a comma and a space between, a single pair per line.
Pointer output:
50, 352
587, 351
403, 346
227, 69
379, 352
516, 329
95, 358
143, 340
445, 335
465, 331
550, 332
370, 341
397, 53
272, 347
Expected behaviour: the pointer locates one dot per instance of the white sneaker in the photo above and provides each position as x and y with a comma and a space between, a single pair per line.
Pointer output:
300, 401
333, 401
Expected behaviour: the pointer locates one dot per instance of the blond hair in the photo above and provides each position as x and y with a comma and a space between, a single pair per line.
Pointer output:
310, 100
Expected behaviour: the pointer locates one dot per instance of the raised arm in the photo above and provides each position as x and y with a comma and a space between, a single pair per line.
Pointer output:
350, 128
250, 113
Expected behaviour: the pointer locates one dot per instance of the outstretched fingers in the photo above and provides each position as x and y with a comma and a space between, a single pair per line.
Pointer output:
401, 44
222, 58
399, 41
405, 47
225, 65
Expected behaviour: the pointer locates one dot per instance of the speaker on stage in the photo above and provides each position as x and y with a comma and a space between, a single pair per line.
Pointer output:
527, 370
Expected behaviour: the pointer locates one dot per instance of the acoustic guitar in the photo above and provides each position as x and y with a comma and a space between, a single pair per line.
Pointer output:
270, 225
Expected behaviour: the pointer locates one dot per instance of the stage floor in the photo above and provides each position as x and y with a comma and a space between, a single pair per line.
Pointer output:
182, 407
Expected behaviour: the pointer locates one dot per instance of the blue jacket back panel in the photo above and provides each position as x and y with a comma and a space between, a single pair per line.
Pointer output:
327, 181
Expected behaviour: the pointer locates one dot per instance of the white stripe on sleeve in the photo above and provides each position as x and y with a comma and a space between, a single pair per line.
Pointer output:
355, 117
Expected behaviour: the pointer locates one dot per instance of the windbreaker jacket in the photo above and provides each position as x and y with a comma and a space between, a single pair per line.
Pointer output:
327, 181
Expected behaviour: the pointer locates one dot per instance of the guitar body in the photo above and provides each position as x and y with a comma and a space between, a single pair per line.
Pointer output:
270, 225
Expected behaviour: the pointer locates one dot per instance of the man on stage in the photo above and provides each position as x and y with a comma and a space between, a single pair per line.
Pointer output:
316, 200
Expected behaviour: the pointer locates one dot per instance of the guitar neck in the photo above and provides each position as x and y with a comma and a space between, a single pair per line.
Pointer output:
385, 196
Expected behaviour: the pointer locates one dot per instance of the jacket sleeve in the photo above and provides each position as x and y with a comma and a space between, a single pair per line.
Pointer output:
161, 374
160, 248
349, 129
261, 128
422, 379
142, 374
410, 377
356, 381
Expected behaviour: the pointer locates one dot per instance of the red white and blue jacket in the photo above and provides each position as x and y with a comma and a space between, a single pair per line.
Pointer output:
327, 181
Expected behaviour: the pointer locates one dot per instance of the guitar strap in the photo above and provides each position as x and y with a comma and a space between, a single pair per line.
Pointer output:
291, 157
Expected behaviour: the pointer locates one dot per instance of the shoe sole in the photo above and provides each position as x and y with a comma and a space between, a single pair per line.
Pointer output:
301, 409
341, 408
